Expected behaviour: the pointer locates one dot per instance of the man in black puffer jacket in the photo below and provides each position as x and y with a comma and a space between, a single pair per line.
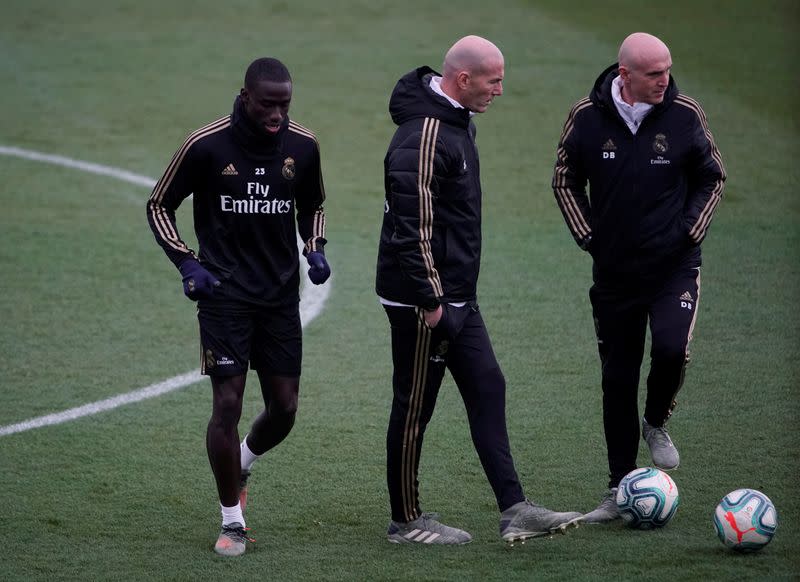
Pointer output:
655, 177
427, 276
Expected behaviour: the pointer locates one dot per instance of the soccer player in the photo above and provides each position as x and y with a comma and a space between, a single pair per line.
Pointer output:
427, 275
251, 173
655, 178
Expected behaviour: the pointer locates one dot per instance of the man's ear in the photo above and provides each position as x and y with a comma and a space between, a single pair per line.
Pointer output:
462, 79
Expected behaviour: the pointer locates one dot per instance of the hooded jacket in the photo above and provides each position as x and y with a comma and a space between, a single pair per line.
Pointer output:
249, 188
652, 195
430, 243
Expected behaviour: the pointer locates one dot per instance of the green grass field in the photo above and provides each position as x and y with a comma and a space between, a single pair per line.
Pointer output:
90, 308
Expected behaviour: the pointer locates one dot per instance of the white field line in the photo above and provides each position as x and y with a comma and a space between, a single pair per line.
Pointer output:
89, 167
312, 301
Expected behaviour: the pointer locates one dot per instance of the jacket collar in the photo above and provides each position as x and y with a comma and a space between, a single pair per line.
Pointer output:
255, 142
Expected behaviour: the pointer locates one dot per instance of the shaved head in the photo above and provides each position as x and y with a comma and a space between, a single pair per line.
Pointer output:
644, 66
469, 54
640, 48
472, 72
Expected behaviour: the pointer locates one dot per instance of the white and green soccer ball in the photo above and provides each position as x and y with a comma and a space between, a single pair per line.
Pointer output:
647, 498
745, 520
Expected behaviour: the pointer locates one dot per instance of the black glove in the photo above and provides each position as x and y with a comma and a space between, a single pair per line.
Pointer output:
319, 271
198, 283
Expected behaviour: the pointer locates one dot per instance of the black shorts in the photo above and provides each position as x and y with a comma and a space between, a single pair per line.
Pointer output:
234, 334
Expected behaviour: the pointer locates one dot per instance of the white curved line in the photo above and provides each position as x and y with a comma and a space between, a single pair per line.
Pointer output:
312, 301
89, 167
107, 404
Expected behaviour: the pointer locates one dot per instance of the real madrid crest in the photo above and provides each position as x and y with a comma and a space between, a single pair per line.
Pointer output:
660, 145
288, 169
210, 361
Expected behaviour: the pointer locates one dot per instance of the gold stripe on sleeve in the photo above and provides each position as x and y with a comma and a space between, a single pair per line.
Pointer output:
164, 226
566, 198
698, 230
427, 153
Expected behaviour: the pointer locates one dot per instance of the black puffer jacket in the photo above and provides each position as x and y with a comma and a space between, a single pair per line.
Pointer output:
430, 244
652, 195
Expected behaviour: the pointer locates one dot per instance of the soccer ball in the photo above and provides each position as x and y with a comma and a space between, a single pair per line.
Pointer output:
647, 498
745, 520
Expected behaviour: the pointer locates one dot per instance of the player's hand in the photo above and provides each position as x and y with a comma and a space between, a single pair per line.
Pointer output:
432, 318
319, 270
198, 283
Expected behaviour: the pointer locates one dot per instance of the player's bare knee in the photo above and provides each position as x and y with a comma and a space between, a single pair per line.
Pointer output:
288, 409
227, 408
284, 399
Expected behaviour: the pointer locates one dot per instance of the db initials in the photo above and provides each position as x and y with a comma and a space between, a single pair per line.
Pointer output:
608, 155
686, 305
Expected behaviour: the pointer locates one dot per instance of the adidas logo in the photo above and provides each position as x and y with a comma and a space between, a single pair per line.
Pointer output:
230, 171
609, 146
686, 296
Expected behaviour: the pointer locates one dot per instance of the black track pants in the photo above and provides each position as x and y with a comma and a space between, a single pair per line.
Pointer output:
459, 343
621, 315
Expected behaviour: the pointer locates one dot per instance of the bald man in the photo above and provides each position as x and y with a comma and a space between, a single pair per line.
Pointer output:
427, 274
655, 177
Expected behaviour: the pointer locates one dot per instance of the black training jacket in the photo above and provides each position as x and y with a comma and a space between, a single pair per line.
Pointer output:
248, 188
430, 244
651, 195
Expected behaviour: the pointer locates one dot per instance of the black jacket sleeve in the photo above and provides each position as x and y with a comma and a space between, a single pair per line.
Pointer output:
569, 180
310, 197
706, 175
174, 186
413, 172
